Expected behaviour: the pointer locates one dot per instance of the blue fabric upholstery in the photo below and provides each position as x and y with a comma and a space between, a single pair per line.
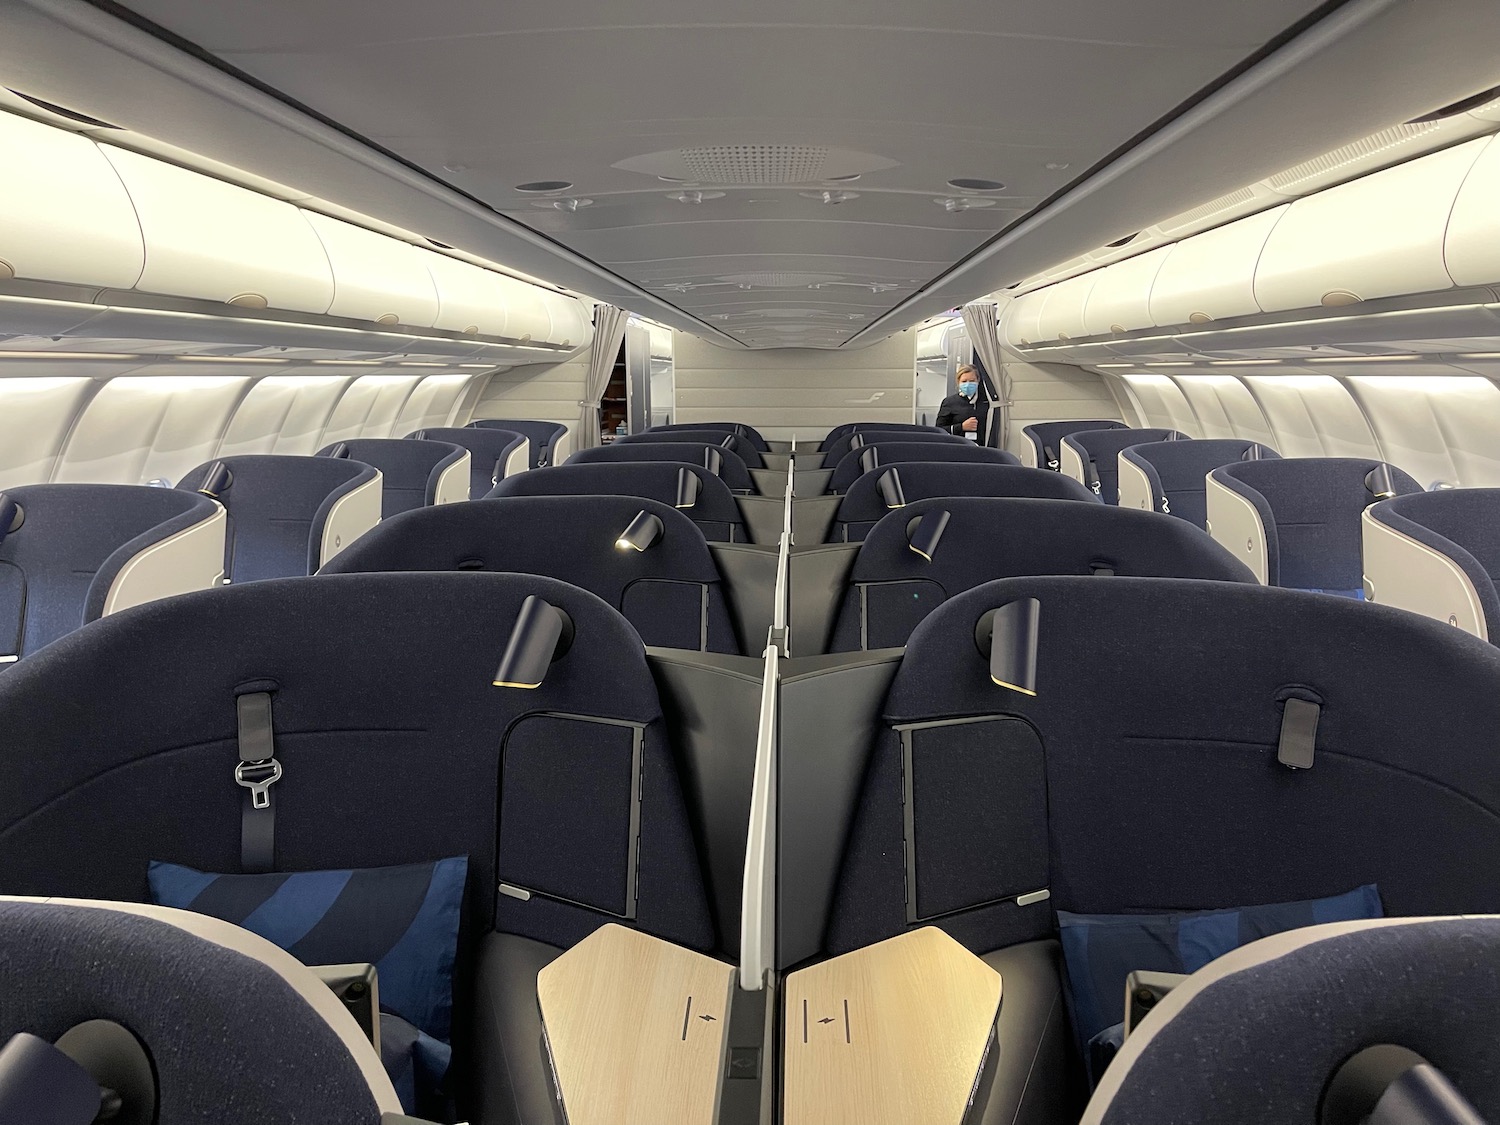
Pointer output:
840, 447
1100, 450
670, 592
229, 1038
1101, 950
843, 431
57, 568
892, 588
395, 745
1143, 775
1046, 437
749, 433
409, 470
543, 436
1464, 525
417, 1065
734, 442
1176, 470
851, 467
403, 920
1310, 508
1259, 1040
715, 512
732, 468
863, 507
488, 449
277, 507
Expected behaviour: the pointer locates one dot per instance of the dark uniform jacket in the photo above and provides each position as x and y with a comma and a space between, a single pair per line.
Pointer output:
957, 408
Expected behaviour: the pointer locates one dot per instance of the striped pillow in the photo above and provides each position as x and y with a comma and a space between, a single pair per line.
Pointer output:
403, 920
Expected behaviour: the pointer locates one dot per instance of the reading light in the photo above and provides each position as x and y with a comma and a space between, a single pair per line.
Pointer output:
536, 640
216, 481
1013, 645
869, 459
339, 450
890, 489
643, 531
11, 516
419, 435
1378, 481
713, 461
688, 486
925, 532
856, 440
1252, 453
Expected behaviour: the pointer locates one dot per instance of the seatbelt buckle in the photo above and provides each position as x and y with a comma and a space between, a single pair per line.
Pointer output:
259, 786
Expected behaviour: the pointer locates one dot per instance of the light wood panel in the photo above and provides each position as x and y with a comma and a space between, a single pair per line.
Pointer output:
636, 1028
893, 1034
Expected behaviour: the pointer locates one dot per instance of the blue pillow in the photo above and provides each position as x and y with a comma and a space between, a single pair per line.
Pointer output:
417, 1064
1101, 950
403, 920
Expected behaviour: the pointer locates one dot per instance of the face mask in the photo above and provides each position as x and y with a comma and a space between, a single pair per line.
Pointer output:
968, 389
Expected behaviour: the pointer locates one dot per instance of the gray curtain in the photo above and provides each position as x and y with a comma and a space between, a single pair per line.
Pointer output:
982, 319
609, 333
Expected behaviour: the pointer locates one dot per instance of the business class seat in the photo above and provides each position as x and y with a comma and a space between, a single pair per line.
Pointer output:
724, 463
842, 446
929, 551
394, 719
493, 454
847, 428
1092, 456
1322, 1025
749, 433
872, 496
413, 474
734, 442
219, 1023
664, 581
1154, 747
1169, 476
72, 553
1043, 448
1438, 554
548, 443
691, 489
1296, 522
857, 462
287, 515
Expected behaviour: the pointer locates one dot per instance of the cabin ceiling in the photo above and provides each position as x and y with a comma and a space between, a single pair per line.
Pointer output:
699, 140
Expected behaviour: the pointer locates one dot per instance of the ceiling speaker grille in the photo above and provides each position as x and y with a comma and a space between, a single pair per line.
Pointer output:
1384, 141
779, 280
755, 164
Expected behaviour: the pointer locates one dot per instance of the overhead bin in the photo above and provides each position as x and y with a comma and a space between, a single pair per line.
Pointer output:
1121, 298
215, 241
1023, 318
1061, 315
470, 300
1211, 276
570, 321
67, 216
375, 278
527, 315
1380, 236
1472, 246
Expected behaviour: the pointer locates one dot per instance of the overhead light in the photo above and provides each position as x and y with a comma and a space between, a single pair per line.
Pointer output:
695, 196
830, 197
230, 359
66, 355
1478, 355
536, 640
963, 203
965, 184
1169, 363
545, 186
1243, 362
1364, 359
644, 530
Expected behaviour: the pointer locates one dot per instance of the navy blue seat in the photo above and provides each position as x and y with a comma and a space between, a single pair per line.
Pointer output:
1045, 438
709, 503
857, 462
548, 439
1438, 553
413, 474
896, 582
1264, 1034
734, 442
671, 591
749, 433
396, 746
1171, 473
847, 428
1297, 520
287, 515
71, 553
864, 505
724, 463
1092, 456
491, 452
840, 447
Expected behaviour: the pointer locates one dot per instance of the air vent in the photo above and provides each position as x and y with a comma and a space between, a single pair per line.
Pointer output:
440, 245
755, 164
1207, 210
1126, 241
1464, 105
1330, 163
71, 115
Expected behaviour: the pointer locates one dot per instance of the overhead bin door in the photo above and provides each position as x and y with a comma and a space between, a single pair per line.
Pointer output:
1375, 237
1472, 247
1121, 298
64, 214
1061, 316
1211, 276
470, 299
375, 278
570, 325
526, 309
1023, 319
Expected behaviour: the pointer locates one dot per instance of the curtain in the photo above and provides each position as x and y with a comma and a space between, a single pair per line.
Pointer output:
609, 333
982, 319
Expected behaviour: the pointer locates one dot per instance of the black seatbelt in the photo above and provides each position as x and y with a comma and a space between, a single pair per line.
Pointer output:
1051, 455
1091, 470
257, 771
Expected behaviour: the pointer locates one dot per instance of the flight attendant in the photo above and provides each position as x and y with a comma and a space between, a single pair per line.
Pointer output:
964, 413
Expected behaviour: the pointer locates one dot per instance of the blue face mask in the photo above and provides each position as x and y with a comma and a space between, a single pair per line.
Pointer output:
968, 389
